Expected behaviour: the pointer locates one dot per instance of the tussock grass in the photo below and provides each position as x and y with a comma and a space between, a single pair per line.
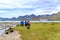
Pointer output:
40, 31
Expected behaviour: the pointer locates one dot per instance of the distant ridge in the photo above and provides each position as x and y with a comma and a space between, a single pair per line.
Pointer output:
54, 16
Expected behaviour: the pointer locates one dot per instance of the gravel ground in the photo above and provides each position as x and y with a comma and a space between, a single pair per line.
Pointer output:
11, 36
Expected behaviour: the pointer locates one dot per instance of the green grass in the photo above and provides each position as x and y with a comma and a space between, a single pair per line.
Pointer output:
40, 31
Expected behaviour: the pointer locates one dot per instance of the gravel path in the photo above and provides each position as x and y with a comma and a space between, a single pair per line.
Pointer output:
11, 36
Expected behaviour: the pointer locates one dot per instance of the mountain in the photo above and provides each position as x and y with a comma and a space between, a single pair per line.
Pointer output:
54, 16
30, 17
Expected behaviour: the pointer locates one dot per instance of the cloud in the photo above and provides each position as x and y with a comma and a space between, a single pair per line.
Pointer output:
15, 8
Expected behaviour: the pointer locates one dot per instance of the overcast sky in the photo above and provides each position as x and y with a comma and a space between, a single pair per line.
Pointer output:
15, 8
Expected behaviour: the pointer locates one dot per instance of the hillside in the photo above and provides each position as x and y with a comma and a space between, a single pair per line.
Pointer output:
56, 17
52, 17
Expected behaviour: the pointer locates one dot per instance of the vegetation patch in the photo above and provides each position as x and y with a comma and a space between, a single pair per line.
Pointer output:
40, 31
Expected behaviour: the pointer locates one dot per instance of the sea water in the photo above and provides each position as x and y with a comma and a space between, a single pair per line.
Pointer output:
2, 30
31, 21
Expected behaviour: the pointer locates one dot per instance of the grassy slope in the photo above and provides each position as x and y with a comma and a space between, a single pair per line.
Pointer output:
40, 31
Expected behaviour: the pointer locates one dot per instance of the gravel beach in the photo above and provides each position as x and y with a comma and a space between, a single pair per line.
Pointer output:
11, 36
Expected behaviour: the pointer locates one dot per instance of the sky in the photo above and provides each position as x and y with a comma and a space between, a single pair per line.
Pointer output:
15, 8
